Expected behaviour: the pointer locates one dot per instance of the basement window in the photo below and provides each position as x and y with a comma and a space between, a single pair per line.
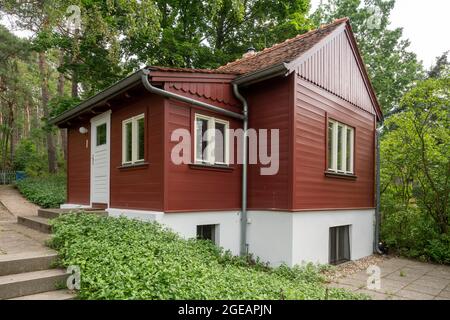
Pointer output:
207, 232
211, 140
339, 250
133, 140
340, 148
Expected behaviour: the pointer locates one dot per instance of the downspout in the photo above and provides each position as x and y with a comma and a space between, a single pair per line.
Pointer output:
244, 117
244, 249
376, 241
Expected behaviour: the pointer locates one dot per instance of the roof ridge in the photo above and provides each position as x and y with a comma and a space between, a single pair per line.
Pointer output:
277, 45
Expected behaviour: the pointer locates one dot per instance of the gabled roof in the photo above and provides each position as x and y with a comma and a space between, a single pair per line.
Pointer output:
284, 52
280, 59
285, 58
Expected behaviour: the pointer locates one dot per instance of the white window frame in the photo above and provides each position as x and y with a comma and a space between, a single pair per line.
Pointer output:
334, 148
134, 140
210, 133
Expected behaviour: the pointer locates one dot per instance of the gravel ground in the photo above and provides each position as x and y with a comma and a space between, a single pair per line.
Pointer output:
352, 267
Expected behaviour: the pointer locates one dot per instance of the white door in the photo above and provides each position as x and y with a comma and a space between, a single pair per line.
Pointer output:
100, 157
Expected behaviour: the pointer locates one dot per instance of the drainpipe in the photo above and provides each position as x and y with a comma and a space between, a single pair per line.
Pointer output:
376, 241
244, 117
244, 249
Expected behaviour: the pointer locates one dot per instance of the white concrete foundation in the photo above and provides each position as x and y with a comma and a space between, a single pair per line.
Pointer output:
275, 237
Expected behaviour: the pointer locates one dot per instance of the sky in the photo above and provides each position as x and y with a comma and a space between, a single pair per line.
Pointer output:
425, 23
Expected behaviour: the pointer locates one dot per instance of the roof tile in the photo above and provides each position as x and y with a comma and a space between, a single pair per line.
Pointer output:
286, 51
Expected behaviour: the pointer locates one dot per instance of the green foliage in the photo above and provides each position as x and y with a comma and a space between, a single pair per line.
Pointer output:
46, 191
129, 259
415, 172
27, 159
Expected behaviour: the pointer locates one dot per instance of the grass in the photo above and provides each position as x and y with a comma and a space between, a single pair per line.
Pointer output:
47, 191
121, 258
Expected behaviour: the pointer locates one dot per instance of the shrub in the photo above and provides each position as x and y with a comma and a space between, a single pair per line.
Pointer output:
413, 234
438, 249
46, 191
26, 158
129, 259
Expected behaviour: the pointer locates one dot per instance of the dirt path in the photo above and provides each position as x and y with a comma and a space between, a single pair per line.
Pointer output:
15, 203
15, 238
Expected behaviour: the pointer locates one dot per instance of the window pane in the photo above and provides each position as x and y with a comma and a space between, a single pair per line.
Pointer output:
340, 146
330, 145
200, 139
219, 151
101, 134
339, 245
206, 232
141, 139
349, 150
128, 141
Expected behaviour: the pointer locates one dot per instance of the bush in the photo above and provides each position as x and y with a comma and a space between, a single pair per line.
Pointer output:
121, 258
46, 191
26, 158
412, 233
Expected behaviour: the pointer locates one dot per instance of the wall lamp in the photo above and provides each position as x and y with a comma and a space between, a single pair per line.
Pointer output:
83, 130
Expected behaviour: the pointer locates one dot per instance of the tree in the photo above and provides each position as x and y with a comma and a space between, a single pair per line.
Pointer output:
208, 34
441, 68
392, 68
13, 92
416, 151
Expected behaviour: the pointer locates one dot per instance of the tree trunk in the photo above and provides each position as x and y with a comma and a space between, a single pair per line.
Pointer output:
75, 63
61, 82
45, 97
27, 127
12, 134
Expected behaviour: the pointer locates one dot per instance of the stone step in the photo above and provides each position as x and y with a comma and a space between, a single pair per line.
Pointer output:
63, 294
55, 213
37, 223
26, 262
25, 284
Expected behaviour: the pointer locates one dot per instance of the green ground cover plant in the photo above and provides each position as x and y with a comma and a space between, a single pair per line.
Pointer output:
47, 191
121, 258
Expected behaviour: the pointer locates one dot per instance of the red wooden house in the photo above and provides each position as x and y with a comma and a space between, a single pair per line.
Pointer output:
319, 206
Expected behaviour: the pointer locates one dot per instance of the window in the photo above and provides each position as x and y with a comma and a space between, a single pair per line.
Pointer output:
340, 147
133, 140
211, 140
339, 244
101, 134
208, 232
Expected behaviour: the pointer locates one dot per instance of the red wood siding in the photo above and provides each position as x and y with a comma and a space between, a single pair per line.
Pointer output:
189, 189
312, 189
138, 188
78, 165
270, 107
334, 67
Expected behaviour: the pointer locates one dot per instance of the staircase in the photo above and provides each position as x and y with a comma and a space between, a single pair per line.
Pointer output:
41, 221
29, 276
